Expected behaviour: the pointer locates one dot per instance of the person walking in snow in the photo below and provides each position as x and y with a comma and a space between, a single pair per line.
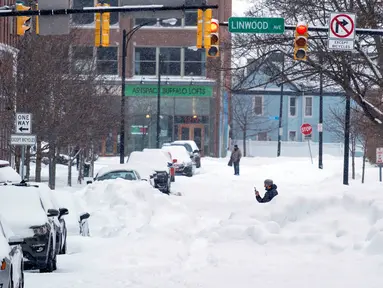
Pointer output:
235, 157
271, 192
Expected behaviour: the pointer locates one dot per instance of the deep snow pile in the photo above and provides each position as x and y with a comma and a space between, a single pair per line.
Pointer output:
315, 233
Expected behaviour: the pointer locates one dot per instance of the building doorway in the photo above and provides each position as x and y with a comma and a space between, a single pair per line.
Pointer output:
193, 132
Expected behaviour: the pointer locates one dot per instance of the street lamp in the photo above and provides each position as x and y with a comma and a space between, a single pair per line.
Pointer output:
126, 36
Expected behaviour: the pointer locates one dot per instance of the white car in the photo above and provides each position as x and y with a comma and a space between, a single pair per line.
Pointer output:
192, 148
121, 171
182, 161
11, 257
7, 173
153, 166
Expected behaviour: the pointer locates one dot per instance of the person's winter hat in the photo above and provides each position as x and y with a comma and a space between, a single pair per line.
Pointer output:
269, 182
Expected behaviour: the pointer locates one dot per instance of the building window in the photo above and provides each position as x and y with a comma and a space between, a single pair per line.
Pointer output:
107, 60
170, 61
82, 59
292, 106
195, 62
308, 106
145, 61
145, 21
262, 136
258, 105
292, 135
114, 17
191, 16
83, 19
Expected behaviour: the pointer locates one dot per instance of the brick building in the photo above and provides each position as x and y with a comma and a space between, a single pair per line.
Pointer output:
191, 95
7, 53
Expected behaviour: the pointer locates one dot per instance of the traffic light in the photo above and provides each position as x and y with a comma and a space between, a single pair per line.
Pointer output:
213, 49
207, 15
23, 23
199, 28
300, 42
102, 30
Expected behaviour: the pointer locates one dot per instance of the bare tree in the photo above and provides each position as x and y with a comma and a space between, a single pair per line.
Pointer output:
246, 119
355, 74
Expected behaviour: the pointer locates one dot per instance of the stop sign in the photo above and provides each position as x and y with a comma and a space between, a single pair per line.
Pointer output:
306, 129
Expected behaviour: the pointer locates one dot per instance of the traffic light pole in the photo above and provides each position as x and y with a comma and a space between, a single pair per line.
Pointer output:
122, 116
320, 160
158, 130
281, 109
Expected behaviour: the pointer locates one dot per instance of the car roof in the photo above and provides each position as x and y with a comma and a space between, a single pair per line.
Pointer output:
4, 163
190, 142
114, 168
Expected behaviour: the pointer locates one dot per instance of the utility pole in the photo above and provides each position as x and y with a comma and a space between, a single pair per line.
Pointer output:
159, 104
122, 116
281, 107
320, 125
346, 140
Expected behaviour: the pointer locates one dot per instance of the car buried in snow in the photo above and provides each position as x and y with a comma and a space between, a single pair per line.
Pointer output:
182, 160
119, 171
11, 257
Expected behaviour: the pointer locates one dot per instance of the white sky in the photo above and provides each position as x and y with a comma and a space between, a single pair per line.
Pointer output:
241, 6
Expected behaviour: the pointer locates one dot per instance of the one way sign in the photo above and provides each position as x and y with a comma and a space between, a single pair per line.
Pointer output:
23, 123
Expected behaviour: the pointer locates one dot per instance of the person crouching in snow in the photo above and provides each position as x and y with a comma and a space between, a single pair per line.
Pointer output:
271, 192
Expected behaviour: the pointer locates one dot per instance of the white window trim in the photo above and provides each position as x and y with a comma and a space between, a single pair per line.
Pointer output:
304, 107
288, 136
296, 106
263, 108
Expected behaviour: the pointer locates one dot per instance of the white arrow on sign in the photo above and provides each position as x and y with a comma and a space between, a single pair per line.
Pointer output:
23, 123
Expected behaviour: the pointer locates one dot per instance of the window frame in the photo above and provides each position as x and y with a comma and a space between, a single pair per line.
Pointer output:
295, 106
97, 60
305, 104
262, 105
182, 62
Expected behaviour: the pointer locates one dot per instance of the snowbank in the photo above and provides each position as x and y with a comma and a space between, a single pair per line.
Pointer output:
119, 207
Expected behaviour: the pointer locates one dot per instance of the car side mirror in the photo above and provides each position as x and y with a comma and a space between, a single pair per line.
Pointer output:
191, 156
151, 176
63, 211
53, 212
196, 151
89, 182
84, 216
16, 240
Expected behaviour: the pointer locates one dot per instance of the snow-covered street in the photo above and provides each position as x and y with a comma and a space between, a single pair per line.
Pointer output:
315, 233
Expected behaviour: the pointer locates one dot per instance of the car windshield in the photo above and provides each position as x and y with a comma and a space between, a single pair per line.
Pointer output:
127, 175
187, 146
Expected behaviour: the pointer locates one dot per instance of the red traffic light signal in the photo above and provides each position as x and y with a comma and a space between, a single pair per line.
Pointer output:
300, 42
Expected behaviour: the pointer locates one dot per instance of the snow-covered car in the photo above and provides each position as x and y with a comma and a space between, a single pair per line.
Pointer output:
119, 171
11, 257
181, 160
49, 201
169, 158
153, 166
34, 224
7, 173
192, 148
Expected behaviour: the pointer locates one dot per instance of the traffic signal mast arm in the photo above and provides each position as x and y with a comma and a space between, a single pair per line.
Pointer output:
92, 10
324, 29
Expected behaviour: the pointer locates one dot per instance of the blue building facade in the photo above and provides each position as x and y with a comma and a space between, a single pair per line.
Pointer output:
300, 105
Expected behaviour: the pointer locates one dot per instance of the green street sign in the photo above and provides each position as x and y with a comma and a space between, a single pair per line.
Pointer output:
256, 25
169, 91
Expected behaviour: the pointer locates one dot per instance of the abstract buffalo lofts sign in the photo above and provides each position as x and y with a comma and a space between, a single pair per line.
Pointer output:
169, 91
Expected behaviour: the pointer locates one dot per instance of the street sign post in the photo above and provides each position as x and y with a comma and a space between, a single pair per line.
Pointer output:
379, 161
23, 123
341, 31
256, 25
307, 130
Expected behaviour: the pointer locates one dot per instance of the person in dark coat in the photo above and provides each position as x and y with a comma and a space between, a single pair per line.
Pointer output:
271, 192
236, 156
